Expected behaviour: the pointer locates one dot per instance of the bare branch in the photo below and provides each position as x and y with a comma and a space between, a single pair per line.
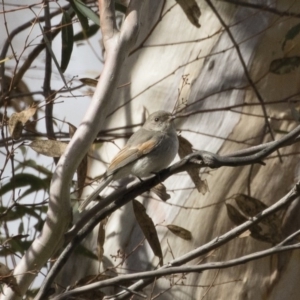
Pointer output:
221, 240
120, 197
206, 159
30, 57
175, 270
59, 211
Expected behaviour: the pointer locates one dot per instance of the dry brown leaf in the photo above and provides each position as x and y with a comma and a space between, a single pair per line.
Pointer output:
265, 235
192, 10
247, 233
201, 185
18, 120
186, 148
18, 88
49, 147
161, 191
234, 215
101, 239
89, 81
15, 126
72, 129
148, 228
249, 205
268, 230
81, 175
7, 278
4, 270
180, 232
82, 168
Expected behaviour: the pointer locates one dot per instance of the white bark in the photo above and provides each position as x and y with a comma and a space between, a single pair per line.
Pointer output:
218, 72
216, 75
117, 45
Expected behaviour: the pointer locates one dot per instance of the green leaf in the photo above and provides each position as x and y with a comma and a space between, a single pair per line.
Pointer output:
14, 214
284, 65
35, 211
66, 41
82, 19
93, 29
21, 228
20, 211
48, 45
121, 8
148, 228
87, 12
23, 180
291, 34
281, 131
32, 163
20, 246
85, 252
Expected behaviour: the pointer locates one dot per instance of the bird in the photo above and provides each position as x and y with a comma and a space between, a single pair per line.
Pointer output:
149, 150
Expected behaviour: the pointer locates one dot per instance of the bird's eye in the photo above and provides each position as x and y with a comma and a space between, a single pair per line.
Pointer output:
156, 119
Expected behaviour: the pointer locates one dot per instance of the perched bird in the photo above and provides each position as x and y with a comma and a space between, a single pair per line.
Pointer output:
149, 150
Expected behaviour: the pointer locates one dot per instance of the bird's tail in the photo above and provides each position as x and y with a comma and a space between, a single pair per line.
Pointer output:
105, 182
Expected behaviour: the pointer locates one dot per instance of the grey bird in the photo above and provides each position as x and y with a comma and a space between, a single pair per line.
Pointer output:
149, 150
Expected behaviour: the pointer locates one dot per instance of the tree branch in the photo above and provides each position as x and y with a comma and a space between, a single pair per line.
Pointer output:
197, 159
175, 270
58, 215
120, 197
30, 57
219, 241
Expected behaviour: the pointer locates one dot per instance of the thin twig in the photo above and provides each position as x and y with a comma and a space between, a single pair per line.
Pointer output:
48, 94
117, 45
170, 270
120, 197
221, 240
30, 57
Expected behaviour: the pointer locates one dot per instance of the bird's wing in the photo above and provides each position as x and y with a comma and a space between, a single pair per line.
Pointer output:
105, 182
131, 153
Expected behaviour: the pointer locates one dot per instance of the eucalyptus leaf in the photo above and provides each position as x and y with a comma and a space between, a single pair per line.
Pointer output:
66, 41
48, 45
291, 34
284, 65
85, 34
87, 12
25, 179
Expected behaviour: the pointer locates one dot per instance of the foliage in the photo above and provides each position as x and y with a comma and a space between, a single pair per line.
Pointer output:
34, 138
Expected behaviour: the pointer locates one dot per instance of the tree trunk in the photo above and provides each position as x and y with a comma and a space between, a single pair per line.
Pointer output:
209, 60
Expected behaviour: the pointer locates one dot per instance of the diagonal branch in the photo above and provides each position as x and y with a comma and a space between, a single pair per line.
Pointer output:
120, 197
197, 159
219, 241
59, 211
30, 57
175, 270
